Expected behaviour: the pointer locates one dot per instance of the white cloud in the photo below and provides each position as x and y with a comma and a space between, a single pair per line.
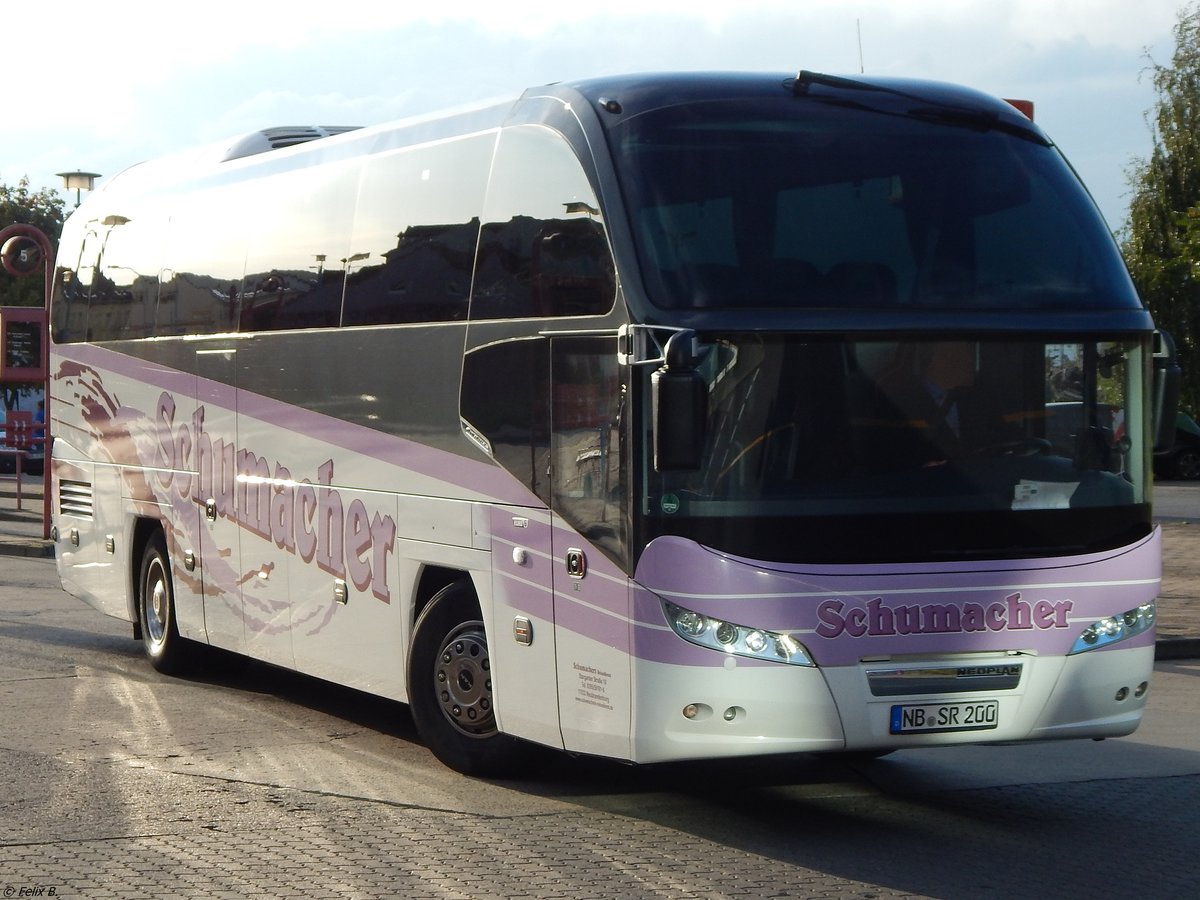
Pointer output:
110, 85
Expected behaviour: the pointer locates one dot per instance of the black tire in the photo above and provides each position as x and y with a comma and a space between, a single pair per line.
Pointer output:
167, 651
450, 687
1187, 464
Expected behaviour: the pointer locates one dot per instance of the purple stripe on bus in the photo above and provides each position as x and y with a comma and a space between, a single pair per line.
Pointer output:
608, 629
126, 366
529, 599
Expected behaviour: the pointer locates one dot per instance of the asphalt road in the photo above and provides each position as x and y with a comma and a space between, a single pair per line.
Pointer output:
116, 781
1177, 500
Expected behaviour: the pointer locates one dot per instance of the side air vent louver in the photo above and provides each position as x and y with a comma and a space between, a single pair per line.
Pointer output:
276, 138
75, 499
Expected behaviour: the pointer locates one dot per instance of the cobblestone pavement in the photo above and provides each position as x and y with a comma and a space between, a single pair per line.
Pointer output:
283, 843
233, 840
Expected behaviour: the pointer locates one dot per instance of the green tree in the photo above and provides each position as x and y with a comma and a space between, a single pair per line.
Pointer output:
1162, 240
42, 209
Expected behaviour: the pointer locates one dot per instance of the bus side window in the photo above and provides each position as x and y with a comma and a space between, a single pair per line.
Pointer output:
80, 310
125, 287
543, 250
299, 251
205, 255
587, 474
69, 306
506, 398
417, 225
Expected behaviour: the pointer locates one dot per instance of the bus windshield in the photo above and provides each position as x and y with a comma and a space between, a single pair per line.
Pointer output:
837, 449
803, 203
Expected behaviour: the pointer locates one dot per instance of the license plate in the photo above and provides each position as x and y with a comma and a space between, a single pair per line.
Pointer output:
932, 717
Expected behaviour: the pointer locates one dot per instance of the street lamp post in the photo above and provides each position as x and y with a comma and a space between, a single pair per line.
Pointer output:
78, 181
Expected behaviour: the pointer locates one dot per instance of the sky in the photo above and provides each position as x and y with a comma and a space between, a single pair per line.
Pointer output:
100, 87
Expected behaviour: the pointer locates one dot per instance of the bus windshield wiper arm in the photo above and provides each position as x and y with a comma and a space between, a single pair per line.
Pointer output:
929, 110
806, 79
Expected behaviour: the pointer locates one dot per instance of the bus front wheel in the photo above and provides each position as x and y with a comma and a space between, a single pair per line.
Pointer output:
450, 687
164, 647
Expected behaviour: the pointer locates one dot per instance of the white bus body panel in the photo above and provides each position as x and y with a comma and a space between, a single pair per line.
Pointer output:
1057, 698
523, 665
736, 709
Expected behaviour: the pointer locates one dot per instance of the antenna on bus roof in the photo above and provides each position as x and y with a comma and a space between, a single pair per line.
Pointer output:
858, 25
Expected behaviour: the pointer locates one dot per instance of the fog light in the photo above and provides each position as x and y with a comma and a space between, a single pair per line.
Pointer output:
690, 711
731, 714
1140, 690
1122, 693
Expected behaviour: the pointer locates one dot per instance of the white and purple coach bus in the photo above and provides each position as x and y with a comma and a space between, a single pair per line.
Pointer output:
655, 418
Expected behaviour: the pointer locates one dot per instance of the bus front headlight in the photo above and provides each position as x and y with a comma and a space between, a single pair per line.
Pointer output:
1111, 629
739, 640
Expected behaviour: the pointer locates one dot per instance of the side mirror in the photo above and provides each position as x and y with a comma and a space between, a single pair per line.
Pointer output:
679, 406
1164, 400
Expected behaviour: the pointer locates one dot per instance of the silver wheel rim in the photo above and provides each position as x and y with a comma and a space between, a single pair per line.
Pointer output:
462, 674
157, 603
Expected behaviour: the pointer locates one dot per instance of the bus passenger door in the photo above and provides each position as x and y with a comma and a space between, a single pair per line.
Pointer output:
592, 636
590, 540
512, 414
214, 433
523, 624
560, 612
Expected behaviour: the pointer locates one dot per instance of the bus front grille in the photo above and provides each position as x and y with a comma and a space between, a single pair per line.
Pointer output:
944, 679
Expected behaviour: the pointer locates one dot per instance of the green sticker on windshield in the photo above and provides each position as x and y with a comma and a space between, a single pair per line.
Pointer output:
669, 504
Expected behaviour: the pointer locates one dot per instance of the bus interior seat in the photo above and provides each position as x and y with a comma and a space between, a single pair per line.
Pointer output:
706, 285
861, 284
784, 282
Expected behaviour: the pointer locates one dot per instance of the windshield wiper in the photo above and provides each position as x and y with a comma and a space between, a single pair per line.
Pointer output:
929, 110
806, 79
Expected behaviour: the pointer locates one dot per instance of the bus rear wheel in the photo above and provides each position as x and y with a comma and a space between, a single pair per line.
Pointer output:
450, 687
164, 647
